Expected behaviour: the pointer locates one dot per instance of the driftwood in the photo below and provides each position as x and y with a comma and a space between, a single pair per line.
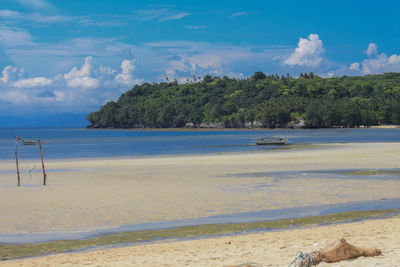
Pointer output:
338, 251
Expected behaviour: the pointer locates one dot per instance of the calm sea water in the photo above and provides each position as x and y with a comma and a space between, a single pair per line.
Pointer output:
83, 143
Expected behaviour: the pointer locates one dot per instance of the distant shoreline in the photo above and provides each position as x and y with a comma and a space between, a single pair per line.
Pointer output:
183, 129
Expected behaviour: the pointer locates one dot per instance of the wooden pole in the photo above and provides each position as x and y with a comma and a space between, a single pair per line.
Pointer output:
41, 156
16, 160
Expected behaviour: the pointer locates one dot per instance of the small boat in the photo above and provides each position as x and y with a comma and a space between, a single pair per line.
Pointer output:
271, 140
29, 143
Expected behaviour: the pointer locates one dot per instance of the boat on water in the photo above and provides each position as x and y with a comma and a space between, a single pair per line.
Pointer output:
271, 140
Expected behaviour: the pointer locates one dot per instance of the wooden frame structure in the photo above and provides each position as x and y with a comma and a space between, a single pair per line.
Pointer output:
29, 143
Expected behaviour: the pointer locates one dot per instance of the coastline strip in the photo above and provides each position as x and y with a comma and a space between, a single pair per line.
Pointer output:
14, 251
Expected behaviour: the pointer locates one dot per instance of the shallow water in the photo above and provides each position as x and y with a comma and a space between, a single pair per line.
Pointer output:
263, 215
84, 143
358, 174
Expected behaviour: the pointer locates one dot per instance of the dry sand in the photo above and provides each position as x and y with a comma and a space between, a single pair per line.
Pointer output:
268, 249
104, 193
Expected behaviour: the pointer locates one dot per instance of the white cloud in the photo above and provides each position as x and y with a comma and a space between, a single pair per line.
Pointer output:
12, 16
66, 91
81, 77
176, 16
33, 82
355, 66
126, 76
37, 4
195, 27
394, 59
238, 14
307, 53
8, 73
12, 37
103, 21
375, 63
381, 63
185, 67
372, 50
160, 14
59, 96
5, 14
38, 18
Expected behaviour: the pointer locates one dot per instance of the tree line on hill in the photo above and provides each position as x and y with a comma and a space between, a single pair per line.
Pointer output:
258, 101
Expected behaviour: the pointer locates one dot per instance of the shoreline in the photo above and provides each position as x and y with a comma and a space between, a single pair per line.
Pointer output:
279, 148
16, 251
269, 248
183, 129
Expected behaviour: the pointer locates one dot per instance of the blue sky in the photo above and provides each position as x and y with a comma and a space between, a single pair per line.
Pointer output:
71, 57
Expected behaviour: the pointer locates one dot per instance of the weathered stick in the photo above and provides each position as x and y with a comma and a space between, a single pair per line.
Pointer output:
16, 160
41, 156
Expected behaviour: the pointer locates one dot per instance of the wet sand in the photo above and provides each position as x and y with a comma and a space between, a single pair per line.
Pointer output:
268, 248
109, 192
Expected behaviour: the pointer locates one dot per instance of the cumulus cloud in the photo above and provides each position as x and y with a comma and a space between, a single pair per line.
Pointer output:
126, 76
379, 62
184, 68
81, 77
355, 66
375, 63
372, 50
8, 74
83, 88
307, 53
394, 59
33, 82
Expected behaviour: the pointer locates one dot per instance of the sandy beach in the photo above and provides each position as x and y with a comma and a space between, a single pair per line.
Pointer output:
267, 248
88, 194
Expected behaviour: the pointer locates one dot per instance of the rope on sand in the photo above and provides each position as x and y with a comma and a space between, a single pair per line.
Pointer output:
300, 257
249, 264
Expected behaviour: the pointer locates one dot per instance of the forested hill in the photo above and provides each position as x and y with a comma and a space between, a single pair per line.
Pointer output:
259, 101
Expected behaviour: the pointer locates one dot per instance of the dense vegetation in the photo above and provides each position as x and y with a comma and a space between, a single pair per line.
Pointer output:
258, 101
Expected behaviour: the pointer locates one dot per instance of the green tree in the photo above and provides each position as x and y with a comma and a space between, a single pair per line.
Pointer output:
258, 75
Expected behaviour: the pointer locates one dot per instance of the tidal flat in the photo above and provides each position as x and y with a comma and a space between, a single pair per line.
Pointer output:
106, 193
112, 192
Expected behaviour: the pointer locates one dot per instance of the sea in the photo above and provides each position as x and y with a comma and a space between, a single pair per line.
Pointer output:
65, 143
